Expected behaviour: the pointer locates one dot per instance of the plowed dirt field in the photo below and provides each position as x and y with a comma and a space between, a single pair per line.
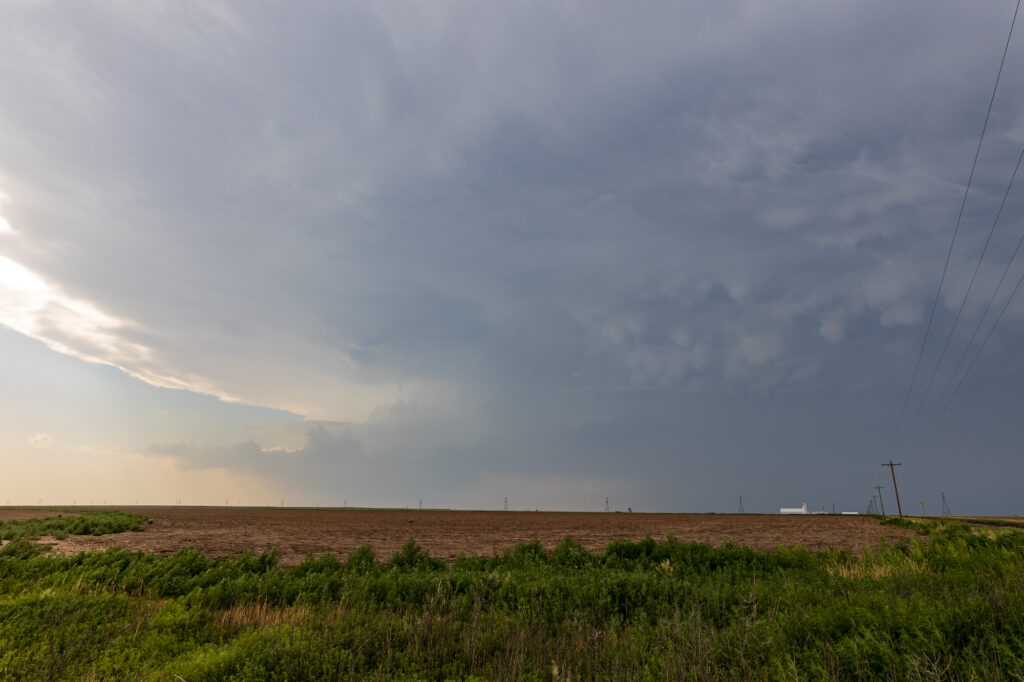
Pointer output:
222, 531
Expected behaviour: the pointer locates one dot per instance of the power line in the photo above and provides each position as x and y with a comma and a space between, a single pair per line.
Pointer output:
967, 293
983, 344
977, 327
956, 229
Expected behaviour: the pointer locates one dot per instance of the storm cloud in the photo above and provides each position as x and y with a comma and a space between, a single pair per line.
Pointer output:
679, 251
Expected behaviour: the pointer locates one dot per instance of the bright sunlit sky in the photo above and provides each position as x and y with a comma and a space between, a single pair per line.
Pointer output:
376, 253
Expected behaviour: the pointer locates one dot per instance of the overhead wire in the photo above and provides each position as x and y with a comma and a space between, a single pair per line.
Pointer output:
963, 301
977, 355
952, 242
981, 319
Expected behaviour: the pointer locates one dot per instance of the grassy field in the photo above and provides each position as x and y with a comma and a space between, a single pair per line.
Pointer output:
62, 525
947, 605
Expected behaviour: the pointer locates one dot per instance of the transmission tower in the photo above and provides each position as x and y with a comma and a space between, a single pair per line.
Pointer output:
945, 507
741, 505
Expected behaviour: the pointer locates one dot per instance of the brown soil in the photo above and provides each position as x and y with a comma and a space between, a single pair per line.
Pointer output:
219, 531
23, 514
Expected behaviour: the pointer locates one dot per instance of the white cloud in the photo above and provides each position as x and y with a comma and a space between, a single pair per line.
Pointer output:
40, 310
833, 329
42, 441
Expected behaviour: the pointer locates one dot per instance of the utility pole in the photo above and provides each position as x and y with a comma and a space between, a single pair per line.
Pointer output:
892, 470
607, 507
922, 508
945, 507
879, 489
874, 505
506, 504
741, 505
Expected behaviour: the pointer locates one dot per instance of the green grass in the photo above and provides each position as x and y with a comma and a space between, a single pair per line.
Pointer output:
75, 523
949, 605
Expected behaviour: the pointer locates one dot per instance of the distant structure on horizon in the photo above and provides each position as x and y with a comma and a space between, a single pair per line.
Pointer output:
794, 510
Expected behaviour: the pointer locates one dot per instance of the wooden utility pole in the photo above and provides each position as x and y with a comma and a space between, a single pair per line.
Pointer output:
896, 490
879, 489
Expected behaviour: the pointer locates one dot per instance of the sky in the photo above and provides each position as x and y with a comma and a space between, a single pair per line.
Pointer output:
381, 254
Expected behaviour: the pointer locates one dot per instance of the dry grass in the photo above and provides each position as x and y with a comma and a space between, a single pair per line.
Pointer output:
867, 569
244, 616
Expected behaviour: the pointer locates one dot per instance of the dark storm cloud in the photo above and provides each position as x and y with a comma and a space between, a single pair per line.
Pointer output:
572, 236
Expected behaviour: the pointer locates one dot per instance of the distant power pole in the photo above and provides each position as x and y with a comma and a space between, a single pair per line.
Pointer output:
922, 508
874, 505
607, 507
879, 489
892, 470
421, 504
506, 504
741, 505
945, 507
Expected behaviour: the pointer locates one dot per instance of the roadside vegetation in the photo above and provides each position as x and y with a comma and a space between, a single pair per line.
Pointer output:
72, 523
947, 605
